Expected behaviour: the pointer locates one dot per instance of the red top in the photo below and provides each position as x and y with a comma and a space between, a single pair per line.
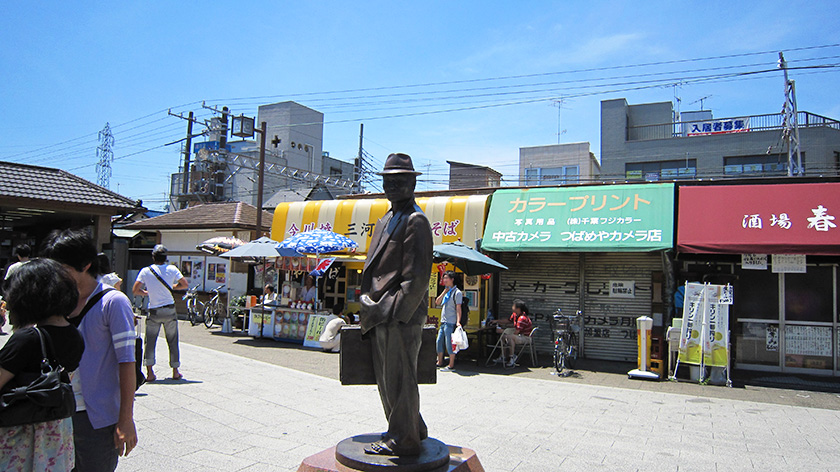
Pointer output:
522, 324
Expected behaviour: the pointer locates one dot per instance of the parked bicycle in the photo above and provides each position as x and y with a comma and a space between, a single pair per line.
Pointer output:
215, 311
195, 308
565, 329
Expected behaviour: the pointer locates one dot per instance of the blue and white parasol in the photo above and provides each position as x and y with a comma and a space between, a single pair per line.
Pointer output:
317, 242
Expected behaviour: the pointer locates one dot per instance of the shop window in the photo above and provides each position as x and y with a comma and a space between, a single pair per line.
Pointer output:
756, 295
757, 343
808, 347
808, 297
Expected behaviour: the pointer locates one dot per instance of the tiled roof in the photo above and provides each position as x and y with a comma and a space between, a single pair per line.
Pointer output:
209, 215
55, 185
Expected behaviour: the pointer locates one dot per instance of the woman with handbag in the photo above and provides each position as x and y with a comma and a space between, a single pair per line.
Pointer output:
450, 318
39, 295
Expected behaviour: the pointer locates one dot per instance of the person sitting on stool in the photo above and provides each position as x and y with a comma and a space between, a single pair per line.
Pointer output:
331, 337
516, 330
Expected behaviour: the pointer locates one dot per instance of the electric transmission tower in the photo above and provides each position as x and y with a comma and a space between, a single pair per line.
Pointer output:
105, 155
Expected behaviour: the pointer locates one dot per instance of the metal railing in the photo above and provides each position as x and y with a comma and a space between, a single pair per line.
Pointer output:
682, 129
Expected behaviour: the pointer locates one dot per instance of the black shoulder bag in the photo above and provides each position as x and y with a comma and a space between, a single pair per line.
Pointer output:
41, 397
138, 343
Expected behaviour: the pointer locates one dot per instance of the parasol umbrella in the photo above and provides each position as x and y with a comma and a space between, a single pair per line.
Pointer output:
219, 245
470, 261
257, 251
317, 242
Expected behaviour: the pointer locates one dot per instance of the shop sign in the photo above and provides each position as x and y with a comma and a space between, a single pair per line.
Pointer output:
450, 218
726, 126
771, 338
762, 219
623, 289
789, 264
754, 261
314, 330
636, 217
704, 336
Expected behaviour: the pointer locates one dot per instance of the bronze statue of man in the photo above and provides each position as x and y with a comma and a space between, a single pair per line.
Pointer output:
394, 300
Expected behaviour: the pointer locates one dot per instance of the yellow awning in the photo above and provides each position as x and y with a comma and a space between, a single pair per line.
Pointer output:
451, 218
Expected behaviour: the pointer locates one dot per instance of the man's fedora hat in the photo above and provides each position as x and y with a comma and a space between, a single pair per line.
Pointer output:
398, 163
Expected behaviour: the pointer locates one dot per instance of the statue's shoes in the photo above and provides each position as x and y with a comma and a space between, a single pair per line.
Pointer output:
388, 447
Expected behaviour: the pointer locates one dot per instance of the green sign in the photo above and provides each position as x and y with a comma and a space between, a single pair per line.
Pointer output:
607, 218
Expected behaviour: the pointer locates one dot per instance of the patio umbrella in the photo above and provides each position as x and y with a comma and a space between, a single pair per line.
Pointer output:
258, 250
317, 242
470, 261
219, 245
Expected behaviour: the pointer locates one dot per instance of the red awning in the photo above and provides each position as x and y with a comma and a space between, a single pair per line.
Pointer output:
760, 219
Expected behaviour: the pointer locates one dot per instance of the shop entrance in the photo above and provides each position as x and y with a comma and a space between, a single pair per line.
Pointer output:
788, 322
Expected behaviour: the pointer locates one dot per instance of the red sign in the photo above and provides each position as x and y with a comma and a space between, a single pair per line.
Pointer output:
760, 219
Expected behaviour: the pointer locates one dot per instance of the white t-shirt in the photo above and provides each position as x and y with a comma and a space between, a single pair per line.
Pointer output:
309, 295
158, 294
331, 330
12, 268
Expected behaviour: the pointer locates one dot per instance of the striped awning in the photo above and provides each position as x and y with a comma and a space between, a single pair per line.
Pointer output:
451, 218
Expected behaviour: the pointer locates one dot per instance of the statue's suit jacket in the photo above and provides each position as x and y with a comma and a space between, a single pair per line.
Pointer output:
398, 268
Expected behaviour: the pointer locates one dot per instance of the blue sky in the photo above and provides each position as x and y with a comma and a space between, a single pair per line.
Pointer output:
69, 67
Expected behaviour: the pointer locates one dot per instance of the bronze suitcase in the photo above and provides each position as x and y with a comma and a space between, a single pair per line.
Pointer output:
356, 358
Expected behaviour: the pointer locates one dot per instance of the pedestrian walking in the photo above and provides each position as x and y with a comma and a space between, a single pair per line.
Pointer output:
159, 280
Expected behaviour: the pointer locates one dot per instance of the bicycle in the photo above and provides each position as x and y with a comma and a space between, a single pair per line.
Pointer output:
195, 308
215, 311
565, 329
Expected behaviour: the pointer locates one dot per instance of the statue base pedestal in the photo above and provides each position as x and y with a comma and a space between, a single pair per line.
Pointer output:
349, 456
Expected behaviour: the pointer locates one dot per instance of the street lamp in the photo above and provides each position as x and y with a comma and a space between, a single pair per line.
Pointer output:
243, 127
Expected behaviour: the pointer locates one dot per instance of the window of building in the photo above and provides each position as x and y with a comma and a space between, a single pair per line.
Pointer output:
661, 170
808, 296
773, 164
552, 175
335, 172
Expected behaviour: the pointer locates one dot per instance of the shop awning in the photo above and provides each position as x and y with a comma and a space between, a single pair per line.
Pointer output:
452, 218
760, 219
608, 218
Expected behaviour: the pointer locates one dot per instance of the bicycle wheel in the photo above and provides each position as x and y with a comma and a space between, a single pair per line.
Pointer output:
209, 315
559, 355
191, 313
571, 352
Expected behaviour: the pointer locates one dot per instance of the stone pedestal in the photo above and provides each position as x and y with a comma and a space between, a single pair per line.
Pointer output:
349, 456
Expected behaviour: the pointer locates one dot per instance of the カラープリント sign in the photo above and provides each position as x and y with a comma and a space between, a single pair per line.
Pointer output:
636, 217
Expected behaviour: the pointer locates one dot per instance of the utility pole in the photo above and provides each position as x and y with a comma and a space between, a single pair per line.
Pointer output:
357, 167
261, 176
185, 185
790, 122
105, 153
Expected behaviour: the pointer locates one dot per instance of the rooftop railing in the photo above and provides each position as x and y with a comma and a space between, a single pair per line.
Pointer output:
741, 124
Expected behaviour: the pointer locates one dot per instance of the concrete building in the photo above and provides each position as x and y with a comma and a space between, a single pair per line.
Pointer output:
294, 161
463, 176
645, 142
557, 164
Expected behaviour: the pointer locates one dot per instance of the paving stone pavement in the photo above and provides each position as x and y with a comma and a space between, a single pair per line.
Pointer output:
238, 414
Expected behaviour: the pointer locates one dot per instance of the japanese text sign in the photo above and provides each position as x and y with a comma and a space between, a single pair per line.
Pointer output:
760, 219
636, 217
725, 126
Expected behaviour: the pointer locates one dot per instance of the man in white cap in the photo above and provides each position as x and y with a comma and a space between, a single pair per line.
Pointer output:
160, 279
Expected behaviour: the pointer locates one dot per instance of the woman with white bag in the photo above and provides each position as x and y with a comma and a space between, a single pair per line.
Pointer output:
450, 317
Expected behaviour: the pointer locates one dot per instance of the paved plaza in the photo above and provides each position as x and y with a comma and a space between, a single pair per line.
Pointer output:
234, 413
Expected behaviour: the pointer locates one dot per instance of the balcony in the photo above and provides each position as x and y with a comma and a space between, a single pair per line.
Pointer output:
741, 124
